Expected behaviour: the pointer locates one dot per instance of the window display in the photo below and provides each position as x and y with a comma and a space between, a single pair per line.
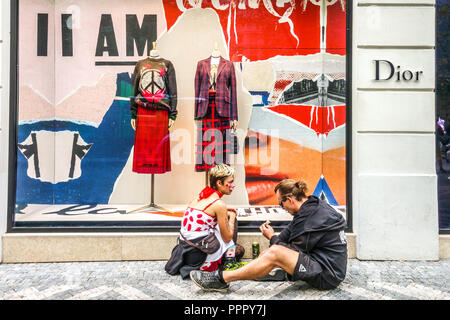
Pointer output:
154, 102
215, 106
109, 94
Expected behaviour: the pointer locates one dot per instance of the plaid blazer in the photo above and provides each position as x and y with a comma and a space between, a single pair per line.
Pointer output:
226, 99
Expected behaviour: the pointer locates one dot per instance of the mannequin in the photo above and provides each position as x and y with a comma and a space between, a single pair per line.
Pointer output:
153, 107
216, 111
154, 54
216, 53
215, 58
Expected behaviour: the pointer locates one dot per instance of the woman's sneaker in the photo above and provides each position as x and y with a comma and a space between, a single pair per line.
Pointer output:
209, 281
232, 264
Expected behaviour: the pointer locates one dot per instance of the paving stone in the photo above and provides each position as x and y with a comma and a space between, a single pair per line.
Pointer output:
142, 280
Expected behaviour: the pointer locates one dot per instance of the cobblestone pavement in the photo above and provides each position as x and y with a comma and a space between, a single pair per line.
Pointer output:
142, 280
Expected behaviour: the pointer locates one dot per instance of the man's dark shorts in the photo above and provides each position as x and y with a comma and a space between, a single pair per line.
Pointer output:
310, 271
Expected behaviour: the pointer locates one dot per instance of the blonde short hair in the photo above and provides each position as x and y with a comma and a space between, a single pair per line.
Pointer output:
219, 172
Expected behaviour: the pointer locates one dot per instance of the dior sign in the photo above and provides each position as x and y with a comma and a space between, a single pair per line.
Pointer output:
385, 70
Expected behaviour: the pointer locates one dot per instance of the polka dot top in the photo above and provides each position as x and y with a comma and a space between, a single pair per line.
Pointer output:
197, 222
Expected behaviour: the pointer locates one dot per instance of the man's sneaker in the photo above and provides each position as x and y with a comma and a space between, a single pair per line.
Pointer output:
209, 281
277, 274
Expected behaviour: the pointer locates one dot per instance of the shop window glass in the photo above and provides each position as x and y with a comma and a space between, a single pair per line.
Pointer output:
77, 152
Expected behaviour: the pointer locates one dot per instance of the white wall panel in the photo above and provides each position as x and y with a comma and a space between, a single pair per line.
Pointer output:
396, 111
396, 154
395, 189
395, 26
397, 218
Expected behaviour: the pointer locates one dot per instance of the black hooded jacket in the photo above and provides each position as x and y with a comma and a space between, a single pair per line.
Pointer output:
318, 231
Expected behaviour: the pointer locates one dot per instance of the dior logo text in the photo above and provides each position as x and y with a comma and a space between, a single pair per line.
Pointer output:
385, 70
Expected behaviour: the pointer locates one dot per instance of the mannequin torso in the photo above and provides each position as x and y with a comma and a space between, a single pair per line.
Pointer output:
213, 73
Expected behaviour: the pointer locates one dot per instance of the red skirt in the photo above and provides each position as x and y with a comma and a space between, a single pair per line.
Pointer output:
152, 141
213, 138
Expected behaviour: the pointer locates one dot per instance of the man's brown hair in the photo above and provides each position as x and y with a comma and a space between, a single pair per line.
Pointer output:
289, 186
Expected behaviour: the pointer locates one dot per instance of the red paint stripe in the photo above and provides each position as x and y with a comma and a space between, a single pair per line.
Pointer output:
321, 120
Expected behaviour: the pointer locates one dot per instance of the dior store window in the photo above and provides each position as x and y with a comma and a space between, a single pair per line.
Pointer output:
124, 106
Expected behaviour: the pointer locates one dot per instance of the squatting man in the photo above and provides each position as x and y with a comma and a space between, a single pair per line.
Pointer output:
312, 248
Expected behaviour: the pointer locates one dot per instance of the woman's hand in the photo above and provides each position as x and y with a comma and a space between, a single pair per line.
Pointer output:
267, 231
231, 214
226, 219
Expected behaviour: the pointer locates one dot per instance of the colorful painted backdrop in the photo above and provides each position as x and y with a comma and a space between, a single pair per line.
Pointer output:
75, 63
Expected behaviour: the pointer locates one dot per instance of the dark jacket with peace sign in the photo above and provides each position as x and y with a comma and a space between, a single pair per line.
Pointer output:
155, 86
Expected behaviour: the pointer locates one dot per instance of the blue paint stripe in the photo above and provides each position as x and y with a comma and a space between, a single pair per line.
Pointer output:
111, 142
322, 186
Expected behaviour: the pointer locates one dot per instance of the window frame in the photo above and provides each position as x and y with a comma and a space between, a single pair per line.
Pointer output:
143, 226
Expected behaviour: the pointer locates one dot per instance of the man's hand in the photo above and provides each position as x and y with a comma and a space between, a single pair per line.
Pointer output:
133, 124
267, 231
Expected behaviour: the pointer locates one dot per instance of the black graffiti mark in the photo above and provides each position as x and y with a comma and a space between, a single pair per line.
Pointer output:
66, 211
100, 211
74, 208
142, 36
30, 150
106, 32
67, 38
42, 34
79, 151
36, 157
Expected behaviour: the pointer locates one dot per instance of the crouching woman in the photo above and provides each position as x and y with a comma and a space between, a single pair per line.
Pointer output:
207, 213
